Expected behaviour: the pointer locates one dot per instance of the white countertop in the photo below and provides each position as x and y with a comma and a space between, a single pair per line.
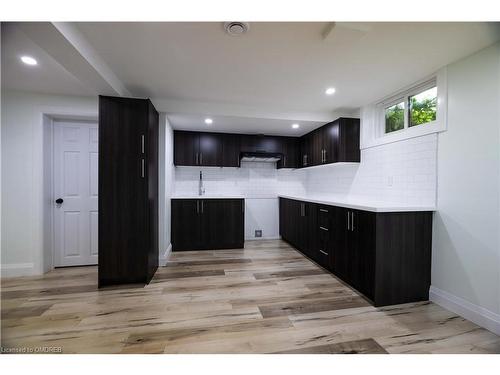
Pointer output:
208, 196
359, 203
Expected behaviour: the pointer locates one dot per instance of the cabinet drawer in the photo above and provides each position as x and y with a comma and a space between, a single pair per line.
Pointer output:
325, 218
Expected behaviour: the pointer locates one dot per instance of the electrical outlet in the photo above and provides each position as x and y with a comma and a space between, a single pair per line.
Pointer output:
258, 233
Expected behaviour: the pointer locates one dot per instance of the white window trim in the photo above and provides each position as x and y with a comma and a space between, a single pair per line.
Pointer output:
373, 116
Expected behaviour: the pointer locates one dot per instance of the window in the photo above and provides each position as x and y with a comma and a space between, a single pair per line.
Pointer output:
413, 111
423, 107
395, 117
417, 106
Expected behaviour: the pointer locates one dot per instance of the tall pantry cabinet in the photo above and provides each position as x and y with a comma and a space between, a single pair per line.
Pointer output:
128, 190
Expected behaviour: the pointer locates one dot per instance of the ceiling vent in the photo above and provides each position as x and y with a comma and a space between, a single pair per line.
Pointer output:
236, 28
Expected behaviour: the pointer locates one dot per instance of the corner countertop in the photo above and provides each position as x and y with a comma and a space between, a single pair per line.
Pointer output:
360, 203
208, 196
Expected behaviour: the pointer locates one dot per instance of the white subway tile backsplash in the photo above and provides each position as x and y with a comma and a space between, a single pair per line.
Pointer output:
400, 172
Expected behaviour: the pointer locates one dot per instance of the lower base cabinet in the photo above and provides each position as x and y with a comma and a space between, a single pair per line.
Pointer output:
207, 224
385, 256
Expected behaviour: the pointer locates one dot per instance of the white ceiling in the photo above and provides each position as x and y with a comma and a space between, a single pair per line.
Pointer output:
47, 77
277, 71
281, 64
231, 124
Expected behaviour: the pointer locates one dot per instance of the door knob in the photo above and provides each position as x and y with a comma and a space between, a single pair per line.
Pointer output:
59, 200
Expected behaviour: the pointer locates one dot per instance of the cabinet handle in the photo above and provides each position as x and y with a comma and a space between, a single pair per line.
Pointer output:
202, 206
284, 161
348, 220
201, 158
323, 252
352, 221
323, 228
323, 210
142, 143
197, 207
324, 157
142, 168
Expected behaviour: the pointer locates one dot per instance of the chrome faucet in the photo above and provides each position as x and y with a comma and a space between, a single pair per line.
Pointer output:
201, 189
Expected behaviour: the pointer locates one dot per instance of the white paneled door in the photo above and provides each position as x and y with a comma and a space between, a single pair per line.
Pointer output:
75, 193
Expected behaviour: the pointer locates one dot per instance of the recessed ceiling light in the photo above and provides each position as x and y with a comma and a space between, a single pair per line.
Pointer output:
208, 121
330, 91
236, 28
295, 126
28, 60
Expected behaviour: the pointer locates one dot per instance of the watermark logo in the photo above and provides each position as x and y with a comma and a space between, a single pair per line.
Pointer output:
30, 350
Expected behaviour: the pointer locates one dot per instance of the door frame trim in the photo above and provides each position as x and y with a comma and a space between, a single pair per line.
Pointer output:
52, 184
48, 117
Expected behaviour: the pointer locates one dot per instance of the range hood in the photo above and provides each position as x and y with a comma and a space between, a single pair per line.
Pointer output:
267, 157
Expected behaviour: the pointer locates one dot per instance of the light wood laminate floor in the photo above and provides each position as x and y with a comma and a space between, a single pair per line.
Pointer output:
266, 298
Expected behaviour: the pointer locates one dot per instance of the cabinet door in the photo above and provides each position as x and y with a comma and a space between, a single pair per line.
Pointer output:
248, 143
185, 219
340, 260
293, 212
317, 147
331, 142
222, 223
122, 188
151, 151
290, 148
349, 140
305, 150
267, 144
231, 150
186, 145
210, 150
363, 228
310, 226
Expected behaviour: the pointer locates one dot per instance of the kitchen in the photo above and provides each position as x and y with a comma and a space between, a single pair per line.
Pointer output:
229, 197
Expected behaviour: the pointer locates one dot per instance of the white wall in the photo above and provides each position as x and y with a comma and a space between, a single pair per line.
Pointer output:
466, 244
22, 174
401, 172
166, 178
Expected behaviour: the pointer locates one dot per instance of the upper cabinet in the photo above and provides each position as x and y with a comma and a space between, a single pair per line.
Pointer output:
197, 149
337, 141
290, 148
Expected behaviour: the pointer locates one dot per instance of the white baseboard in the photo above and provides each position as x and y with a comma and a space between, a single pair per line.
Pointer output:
18, 269
263, 238
476, 314
164, 257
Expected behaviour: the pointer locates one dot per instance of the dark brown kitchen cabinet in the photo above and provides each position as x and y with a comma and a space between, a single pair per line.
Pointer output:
128, 191
210, 150
337, 141
186, 148
231, 146
186, 224
290, 148
197, 149
207, 224
297, 222
306, 144
385, 256
353, 257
